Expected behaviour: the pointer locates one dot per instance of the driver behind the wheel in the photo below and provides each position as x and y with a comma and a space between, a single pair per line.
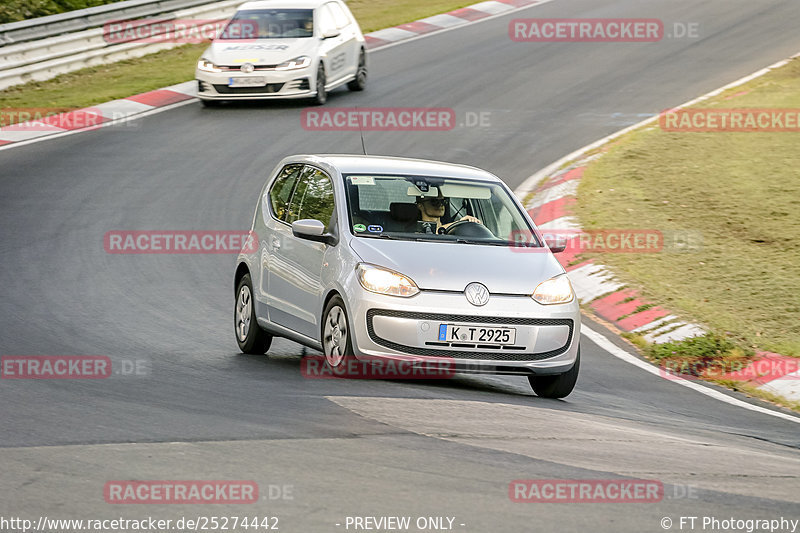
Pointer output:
432, 210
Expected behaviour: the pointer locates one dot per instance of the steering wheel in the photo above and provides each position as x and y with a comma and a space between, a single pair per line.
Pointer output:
468, 228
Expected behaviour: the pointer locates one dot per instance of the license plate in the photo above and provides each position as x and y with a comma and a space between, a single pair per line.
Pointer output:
476, 334
255, 81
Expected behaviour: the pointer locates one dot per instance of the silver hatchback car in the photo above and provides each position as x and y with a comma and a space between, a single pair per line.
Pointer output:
365, 257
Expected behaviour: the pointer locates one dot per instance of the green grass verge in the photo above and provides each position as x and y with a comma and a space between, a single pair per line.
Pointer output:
100, 84
707, 358
741, 191
752, 390
16, 10
95, 85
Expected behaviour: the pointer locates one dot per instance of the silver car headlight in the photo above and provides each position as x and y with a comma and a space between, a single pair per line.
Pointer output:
294, 64
207, 66
557, 290
385, 281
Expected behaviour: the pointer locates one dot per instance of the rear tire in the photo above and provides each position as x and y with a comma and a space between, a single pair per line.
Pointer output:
249, 335
558, 385
360, 82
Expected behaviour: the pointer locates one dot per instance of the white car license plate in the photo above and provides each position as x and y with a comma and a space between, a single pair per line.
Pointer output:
476, 334
255, 81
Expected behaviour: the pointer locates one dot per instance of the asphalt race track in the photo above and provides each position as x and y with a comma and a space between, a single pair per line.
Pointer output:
201, 410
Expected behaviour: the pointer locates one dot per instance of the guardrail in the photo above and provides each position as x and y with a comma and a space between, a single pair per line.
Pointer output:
42, 48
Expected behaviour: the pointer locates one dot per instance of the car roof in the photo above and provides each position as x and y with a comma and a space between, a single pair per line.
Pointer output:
371, 164
283, 4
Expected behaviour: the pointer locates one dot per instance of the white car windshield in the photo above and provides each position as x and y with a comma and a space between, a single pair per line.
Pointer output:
434, 208
271, 24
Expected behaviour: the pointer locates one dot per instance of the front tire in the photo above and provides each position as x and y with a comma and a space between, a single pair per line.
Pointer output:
559, 385
322, 93
249, 335
360, 82
336, 339
210, 103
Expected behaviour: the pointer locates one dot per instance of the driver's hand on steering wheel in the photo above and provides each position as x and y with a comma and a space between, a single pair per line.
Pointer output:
466, 218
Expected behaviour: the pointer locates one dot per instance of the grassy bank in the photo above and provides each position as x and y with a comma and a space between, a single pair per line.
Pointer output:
740, 190
95, 85
16, 10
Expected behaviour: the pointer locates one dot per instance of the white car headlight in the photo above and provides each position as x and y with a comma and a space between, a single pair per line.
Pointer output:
384, 281
207, 66
557, 290
294, 64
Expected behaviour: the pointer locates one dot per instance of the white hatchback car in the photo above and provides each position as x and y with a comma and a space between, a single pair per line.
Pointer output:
284, 49
404, 260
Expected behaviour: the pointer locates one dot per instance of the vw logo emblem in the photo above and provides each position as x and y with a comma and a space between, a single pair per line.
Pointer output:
477, 294
247, 68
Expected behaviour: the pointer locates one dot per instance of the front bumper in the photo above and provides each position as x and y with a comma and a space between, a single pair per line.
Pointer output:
278, 84
547, 337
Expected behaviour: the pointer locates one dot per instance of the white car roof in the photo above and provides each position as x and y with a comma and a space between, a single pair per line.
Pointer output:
360, 164
283, 4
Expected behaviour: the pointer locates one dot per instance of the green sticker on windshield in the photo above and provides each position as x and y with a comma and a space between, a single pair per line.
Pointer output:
359, 227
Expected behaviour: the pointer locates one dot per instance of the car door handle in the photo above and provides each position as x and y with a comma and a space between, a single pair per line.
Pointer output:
276, 243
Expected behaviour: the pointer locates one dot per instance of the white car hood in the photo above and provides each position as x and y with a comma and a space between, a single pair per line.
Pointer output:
259, 51
451, 266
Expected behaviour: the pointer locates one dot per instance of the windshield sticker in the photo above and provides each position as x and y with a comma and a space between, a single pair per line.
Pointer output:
374, 228
359, 227
362, 180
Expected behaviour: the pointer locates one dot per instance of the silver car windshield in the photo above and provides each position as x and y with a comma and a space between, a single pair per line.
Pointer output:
270, 24
437, 209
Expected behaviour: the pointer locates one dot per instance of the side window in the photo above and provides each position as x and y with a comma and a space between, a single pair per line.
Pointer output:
497, 217
339, 18
326, 20
313, 198
281, 190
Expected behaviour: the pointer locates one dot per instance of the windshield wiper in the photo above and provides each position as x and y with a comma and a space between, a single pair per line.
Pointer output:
378, 236
490, 243
435, 238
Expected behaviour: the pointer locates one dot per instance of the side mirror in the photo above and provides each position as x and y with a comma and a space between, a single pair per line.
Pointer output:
556, 245
312, 230
330, 33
